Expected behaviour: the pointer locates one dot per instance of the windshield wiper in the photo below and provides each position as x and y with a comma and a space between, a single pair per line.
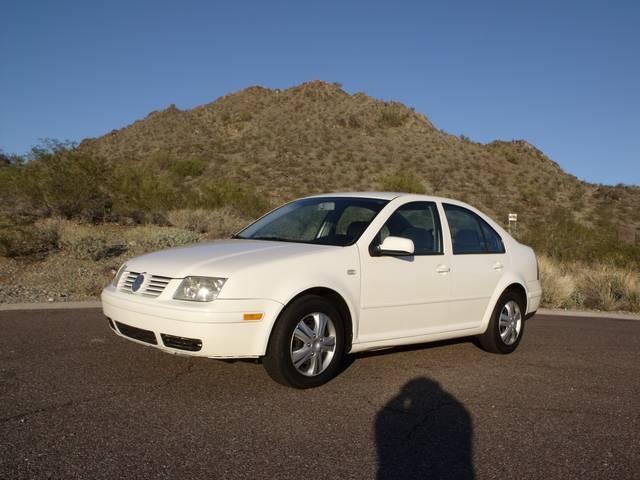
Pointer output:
266, 237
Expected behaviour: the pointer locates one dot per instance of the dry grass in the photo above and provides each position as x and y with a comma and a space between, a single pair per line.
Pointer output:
82, 260
86, 257
149, 238
216, 223
558, 287
599, 287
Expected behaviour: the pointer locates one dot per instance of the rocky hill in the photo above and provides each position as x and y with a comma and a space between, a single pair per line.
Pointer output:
70, 215
315, 137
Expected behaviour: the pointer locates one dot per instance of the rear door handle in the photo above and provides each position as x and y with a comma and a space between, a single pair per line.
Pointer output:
498, 266
443, 269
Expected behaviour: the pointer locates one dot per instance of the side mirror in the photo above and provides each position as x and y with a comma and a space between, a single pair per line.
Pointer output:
396, 247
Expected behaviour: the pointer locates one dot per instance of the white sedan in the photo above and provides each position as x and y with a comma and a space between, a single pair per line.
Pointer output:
328, 275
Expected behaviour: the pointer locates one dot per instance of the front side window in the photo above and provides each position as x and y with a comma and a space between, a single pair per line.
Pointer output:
470, 233
417, 221
335, 221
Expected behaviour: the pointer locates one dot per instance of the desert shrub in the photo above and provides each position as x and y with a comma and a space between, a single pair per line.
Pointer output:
580, 285
558, 287
217, 223
402, 183
561, 237
10, 185
62, 277
392, 115
86, 242
17, 200
608, 288
245, 116
512, 158
143, 192
26, 240
149, 237
245, 200
66, 182
142, 189
93, 248
188, 167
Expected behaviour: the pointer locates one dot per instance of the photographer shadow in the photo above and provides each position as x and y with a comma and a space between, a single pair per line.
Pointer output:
424, 433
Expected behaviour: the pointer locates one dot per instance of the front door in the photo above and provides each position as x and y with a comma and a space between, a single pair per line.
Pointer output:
406, 296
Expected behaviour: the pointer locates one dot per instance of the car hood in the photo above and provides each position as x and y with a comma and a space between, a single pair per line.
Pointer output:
219, 258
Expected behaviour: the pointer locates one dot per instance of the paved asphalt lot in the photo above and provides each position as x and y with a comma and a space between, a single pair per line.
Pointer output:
78, 402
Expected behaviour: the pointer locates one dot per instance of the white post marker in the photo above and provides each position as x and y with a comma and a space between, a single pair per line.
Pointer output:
513, 223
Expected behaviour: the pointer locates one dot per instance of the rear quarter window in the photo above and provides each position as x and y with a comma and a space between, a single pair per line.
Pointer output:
470, 234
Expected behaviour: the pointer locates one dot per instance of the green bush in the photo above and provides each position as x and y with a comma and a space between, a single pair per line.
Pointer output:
68, 183
27, 240
189, 168
142, 189
562, 238
245, 200
402, 183
392, 115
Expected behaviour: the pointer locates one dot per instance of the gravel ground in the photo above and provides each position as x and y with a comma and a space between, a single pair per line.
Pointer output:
56, 278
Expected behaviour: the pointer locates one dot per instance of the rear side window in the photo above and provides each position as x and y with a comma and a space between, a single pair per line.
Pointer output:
492, 239
470, 233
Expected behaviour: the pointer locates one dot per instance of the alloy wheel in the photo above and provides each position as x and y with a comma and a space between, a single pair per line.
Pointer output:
510, 322
313, 344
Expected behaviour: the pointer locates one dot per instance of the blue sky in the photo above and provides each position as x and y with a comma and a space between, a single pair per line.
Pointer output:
564, 75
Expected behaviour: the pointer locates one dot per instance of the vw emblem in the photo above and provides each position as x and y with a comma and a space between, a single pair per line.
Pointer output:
137, 283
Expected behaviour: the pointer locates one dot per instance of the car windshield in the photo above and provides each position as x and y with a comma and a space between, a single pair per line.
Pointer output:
335, 221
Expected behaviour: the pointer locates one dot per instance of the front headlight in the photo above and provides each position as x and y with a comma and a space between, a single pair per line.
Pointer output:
199, 289
116, 279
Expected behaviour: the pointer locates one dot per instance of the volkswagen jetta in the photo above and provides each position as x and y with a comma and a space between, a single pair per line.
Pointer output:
329, 275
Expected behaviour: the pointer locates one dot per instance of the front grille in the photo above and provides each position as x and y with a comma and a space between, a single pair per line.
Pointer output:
146, 336
152, 286
181, 343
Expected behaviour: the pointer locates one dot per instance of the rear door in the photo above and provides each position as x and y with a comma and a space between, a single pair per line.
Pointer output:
477, 265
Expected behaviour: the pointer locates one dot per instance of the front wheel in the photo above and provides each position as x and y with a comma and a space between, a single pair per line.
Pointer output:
506, 327
307, 343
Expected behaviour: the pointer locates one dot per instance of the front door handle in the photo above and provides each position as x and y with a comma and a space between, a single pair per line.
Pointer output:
443, 269
498, 266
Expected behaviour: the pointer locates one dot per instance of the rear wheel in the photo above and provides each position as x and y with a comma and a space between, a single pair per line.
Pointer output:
506, 327
307, 343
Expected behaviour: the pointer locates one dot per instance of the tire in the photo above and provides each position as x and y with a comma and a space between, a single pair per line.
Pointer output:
496, 339
297, 334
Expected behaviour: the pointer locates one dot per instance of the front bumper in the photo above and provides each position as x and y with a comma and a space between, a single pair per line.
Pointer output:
178, 326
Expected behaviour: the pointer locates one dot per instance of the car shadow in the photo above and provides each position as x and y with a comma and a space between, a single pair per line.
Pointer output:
350, 359
413, 347
424, 432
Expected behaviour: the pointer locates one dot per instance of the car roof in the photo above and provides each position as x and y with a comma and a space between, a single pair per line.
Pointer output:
380, 195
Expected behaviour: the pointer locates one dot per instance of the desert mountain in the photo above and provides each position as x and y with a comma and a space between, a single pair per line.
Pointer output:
316, 137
